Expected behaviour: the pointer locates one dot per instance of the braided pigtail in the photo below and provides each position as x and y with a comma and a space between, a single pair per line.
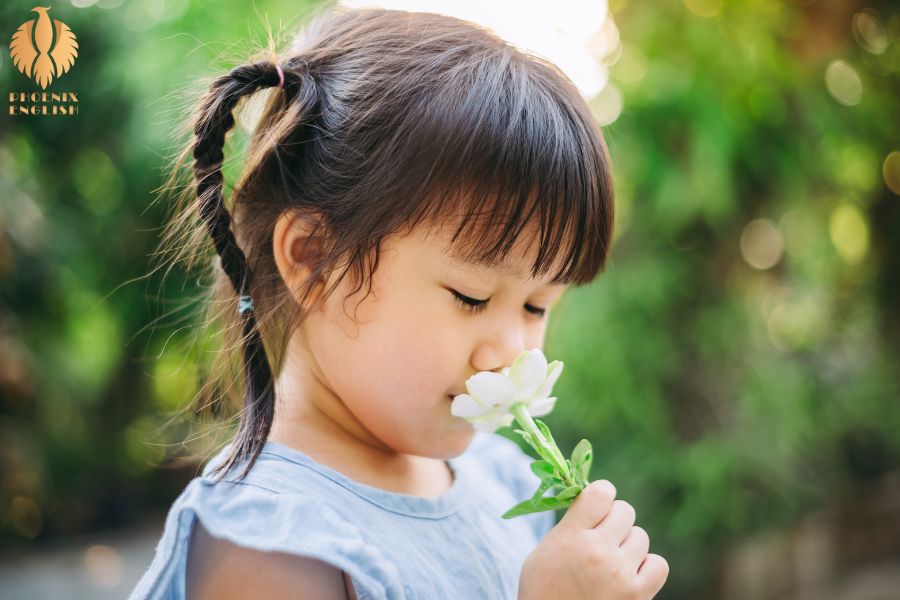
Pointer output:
213, 123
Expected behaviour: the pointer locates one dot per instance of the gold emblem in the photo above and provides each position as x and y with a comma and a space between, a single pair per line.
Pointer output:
43, 49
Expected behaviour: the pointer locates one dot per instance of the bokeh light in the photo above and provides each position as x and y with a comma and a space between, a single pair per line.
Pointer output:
103, 565
631, 66
143, 15
890, 170
762, 244
797, 322
843, 83
608, 105
849, 232
870, 32
25, 515
704, 8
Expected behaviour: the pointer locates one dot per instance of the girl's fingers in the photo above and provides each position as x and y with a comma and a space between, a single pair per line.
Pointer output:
591, 505
635, 546
652, 574
618, 523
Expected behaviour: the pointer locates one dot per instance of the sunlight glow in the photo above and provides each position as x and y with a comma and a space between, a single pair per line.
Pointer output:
575, 35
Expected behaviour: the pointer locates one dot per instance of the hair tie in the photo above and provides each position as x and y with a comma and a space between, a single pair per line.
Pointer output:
245, 303
280, 76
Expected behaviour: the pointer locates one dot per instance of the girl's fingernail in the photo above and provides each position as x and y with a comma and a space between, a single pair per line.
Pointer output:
604, 486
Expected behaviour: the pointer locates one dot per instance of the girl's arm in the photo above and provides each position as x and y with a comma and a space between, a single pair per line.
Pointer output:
218, 569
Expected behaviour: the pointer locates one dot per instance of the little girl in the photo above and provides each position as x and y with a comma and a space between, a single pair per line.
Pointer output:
466, 185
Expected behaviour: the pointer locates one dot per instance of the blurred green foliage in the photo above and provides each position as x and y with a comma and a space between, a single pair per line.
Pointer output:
734, 367
97, 352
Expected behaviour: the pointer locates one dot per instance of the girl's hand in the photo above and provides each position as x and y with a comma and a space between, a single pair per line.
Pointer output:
594, 552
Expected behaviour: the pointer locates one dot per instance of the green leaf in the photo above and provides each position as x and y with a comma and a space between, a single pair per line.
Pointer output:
582, 456
529, 440
581, 451
543, 487
546, 454
543, 469
532, 506
524, 434
546, 431
555, 456
569, 492
585, 469
580, 479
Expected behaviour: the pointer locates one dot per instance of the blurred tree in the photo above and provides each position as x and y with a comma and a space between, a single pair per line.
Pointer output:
98, 354
744, 339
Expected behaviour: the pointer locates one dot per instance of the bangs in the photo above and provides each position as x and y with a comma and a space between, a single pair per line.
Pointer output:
501, 147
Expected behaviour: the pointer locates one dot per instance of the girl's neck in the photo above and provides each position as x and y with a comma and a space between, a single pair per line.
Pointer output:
326, 431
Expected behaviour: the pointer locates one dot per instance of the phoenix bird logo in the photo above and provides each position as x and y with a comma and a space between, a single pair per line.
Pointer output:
43, 49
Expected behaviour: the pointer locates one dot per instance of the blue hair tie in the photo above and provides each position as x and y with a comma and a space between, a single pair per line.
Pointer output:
245, 303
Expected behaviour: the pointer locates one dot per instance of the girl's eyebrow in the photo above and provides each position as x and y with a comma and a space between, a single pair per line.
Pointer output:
504, 268
480, 264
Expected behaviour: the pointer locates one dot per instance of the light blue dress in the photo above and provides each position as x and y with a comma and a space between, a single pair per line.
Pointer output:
393, 546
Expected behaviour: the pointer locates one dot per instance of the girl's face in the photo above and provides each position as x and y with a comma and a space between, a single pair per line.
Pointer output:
388, 379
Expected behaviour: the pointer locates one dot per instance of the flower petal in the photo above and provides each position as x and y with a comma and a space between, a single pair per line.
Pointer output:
490, 389
527, 373
492, 424
539, 408
465, 405
554, 370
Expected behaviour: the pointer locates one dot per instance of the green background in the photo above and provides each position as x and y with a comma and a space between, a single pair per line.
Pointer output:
735, 367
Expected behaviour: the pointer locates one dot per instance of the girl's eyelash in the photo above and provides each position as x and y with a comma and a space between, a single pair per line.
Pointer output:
473, 305
469, 304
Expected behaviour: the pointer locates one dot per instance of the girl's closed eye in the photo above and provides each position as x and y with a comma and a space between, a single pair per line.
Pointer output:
473, 305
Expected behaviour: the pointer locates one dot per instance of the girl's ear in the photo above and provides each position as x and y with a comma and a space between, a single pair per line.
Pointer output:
296, 246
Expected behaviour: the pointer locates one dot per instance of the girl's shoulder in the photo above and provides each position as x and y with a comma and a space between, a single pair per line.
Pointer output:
280, 506
289, 503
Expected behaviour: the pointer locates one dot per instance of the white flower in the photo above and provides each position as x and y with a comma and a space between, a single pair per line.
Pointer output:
491, 395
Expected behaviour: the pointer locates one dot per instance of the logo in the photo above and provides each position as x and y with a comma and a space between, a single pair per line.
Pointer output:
43, 49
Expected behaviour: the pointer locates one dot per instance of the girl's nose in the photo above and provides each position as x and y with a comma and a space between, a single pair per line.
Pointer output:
498, 350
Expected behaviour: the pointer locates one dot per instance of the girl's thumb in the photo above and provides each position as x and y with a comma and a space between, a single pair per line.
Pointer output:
590, 506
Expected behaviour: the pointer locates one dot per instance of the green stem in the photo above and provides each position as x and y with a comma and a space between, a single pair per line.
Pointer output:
554, 456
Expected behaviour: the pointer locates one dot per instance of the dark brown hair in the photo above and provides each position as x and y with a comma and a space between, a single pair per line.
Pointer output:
387, 120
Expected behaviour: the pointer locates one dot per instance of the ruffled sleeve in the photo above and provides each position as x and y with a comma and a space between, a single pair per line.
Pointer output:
512, 466
252, 516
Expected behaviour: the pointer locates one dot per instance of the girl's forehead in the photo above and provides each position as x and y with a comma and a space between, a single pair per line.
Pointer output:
517, 264
439, 239
474, 250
